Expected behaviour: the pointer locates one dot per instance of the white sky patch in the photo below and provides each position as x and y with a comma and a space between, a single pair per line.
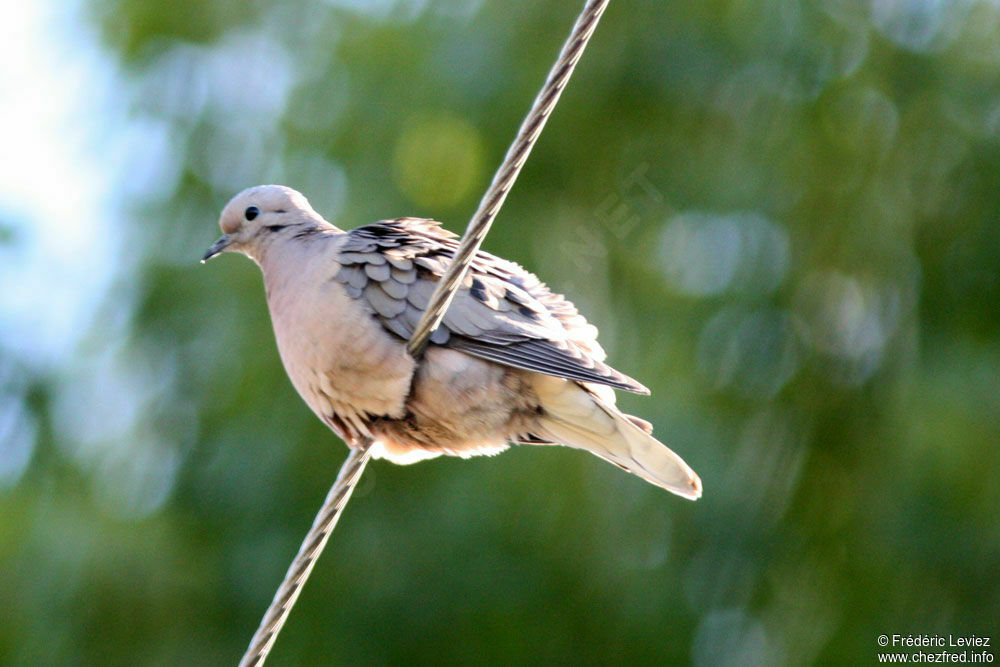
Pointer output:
55, 180
69, 149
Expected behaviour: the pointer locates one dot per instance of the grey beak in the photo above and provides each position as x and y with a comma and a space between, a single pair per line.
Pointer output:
217, 247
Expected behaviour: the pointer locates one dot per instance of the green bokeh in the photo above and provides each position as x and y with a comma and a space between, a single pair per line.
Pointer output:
781, 215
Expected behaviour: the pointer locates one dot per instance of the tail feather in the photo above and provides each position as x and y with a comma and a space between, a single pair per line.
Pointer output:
577, 418
641, 423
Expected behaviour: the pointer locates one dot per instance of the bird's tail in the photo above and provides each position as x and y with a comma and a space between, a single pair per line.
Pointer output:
578, 418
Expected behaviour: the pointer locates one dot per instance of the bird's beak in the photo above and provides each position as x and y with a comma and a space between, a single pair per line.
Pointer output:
217, 247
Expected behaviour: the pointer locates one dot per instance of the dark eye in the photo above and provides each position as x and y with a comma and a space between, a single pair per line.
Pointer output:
251, 212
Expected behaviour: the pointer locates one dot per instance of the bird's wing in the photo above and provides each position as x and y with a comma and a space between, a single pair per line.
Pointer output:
501, 312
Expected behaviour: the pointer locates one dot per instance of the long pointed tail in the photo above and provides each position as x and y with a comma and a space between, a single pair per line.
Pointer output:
577, 418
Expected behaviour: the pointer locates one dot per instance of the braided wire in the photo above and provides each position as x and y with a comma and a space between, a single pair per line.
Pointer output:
312, 547
504, 179
475, 233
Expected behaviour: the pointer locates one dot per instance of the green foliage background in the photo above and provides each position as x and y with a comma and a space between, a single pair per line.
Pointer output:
781, 215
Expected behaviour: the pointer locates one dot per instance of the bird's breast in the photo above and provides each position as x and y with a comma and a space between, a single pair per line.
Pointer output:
338, 357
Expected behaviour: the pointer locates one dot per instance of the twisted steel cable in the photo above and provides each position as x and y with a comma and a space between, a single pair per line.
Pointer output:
517, 154
475, 233
312, 547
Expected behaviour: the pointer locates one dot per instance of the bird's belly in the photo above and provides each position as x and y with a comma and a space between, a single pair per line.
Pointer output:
459, 405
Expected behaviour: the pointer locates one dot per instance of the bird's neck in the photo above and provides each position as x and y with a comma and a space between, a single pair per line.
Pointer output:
297, 251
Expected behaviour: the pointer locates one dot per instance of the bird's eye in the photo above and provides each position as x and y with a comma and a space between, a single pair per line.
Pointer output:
251, 212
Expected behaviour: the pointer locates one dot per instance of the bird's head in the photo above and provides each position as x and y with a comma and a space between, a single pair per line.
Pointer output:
255, 216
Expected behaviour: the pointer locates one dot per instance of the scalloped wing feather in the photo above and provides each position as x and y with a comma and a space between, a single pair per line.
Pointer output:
501, 312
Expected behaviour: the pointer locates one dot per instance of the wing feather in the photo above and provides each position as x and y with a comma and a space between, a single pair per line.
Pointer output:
501, 313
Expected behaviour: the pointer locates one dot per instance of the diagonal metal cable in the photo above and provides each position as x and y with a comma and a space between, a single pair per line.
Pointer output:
518, 152
312, 547
475, 233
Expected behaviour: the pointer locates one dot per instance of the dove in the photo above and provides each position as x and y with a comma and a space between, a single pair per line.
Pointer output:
512, 362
